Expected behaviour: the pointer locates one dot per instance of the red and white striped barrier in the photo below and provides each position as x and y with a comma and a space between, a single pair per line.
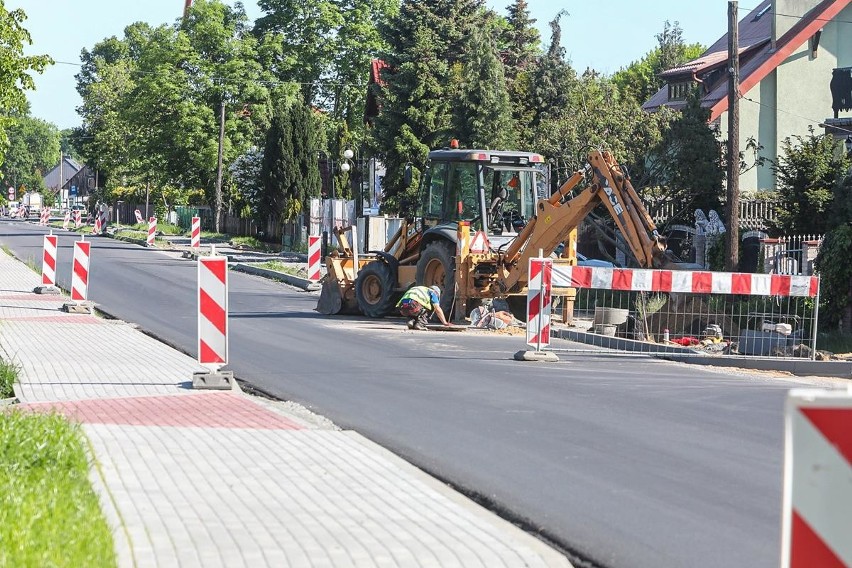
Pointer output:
45, 216
97, 229
817, 514
104, 219
152, 230
78, 218
195, 233
66, 220
80, 271
213, 310
48, 261
538, 302
688, 281
314, 258
139, 218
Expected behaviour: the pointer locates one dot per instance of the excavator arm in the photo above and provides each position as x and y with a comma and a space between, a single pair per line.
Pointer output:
557, 216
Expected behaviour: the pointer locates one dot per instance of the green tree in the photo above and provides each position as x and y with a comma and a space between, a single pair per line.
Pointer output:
483, 117
808, 171
688, 161
553, 79
522, 48
33, 151
288, 170
640, 80
15, 78
427, 41
152, 101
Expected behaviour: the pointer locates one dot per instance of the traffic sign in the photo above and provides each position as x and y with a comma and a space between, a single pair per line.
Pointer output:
11, 194
73, 191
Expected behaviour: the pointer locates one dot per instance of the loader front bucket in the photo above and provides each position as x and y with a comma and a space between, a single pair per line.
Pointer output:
330, 300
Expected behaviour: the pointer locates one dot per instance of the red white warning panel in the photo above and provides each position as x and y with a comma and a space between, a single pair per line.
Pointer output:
817, 514
314, 260
479, 244
48, 261
213, 310
538, 302
687, 281
80, 271
195, 233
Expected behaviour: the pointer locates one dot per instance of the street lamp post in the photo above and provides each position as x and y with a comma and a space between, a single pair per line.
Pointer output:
352, 163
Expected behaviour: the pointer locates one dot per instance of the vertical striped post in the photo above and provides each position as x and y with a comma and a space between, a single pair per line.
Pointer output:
45, 216
152, 230
538, 302
96, 230
817, 511
213, 311
66, 220
195, 233
139, 218
48, 260
78, 218
80, 271
314, 258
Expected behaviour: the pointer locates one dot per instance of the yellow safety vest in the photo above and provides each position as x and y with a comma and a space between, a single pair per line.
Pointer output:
419, 294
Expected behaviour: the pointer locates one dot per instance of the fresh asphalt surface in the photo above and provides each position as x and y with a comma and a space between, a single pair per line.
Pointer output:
624, 462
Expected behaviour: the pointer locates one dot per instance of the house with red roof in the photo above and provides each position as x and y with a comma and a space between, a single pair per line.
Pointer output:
795, 71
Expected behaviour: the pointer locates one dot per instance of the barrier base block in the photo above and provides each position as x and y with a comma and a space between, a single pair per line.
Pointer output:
46, 290
543, 356
77, 308
213, 380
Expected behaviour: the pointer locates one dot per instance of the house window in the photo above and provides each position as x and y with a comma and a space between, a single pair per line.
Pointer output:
679, 91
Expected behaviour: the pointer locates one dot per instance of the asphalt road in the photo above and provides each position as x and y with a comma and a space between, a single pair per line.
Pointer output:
625, 462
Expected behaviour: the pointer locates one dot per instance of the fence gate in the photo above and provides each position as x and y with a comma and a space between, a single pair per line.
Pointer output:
688, 312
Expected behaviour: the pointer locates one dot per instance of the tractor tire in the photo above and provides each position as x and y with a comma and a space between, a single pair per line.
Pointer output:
518, 307
437, 266
375, 289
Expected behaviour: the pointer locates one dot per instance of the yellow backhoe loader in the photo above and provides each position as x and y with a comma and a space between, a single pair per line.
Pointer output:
501, 198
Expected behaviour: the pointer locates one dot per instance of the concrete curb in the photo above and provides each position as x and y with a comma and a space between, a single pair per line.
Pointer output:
619, 343
794, 366
799, 367
302, 283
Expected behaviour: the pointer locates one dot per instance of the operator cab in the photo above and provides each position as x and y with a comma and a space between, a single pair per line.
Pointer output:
496, 191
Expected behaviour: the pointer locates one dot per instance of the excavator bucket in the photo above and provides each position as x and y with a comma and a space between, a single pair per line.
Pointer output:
337, 294
330, 300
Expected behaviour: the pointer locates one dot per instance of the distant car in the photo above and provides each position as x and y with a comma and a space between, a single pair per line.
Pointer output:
595, 262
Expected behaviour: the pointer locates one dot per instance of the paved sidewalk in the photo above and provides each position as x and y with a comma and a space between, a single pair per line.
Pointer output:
193, 478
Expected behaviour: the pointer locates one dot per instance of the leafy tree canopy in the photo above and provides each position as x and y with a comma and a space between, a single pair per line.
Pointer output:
15, 78
640, 80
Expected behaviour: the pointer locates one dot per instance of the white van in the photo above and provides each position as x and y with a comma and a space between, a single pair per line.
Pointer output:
12, 209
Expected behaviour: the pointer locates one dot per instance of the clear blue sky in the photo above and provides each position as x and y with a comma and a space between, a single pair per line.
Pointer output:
603, 35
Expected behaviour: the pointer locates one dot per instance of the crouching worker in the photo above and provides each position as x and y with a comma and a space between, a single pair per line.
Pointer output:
419, 303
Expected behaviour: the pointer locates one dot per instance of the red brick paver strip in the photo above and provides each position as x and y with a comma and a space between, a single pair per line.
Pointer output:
211, 410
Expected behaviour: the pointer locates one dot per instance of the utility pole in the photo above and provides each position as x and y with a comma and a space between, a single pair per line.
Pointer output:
732, 240
219, 166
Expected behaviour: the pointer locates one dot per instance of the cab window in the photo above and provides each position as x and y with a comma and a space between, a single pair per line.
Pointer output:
464, 195
436, 180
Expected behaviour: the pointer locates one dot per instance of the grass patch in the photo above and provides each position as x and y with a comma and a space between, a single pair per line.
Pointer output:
7, 250
285, 268
212, 236
254, 243
132, 234
834, 341
49, 514
169, 229
8, 376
